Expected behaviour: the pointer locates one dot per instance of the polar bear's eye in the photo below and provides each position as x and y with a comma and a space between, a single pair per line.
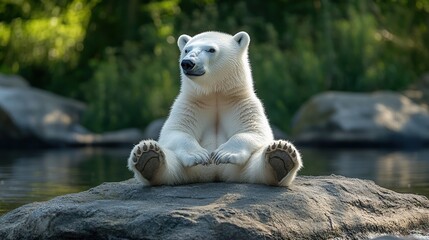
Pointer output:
186, 50
211, 50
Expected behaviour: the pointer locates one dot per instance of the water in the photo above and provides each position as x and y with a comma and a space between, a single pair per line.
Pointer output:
29, 176
401, 171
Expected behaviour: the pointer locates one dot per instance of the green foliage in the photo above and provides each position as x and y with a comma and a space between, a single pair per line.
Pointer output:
131, 89
121, 57
43, 38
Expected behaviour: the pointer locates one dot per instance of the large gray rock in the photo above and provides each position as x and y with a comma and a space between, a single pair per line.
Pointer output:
12, 81
8, 129
153, 130
312, 208
372, 119
30, 116
40, 113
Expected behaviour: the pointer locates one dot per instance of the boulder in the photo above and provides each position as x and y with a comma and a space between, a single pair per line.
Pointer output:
39, 116
8, 129
40, 113
385, 119
153, 130
12, 81
312, 208
34, 117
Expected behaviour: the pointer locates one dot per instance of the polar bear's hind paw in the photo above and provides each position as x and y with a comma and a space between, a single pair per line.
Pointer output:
281, 156
147, 158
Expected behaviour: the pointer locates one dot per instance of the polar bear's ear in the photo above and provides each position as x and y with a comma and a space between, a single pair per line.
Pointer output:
243, 39
183, 39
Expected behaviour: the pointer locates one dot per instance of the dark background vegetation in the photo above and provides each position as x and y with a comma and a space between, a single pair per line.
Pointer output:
121, 57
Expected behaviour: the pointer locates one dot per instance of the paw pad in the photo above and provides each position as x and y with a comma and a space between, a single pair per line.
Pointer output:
281, 156
147, 159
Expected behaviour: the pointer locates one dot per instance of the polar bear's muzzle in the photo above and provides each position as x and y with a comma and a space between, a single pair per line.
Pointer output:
191, 68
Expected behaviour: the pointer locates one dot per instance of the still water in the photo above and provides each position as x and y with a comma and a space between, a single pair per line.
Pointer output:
30, 175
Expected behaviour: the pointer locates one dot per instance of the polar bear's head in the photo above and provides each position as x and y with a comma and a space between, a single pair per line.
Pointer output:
214, 61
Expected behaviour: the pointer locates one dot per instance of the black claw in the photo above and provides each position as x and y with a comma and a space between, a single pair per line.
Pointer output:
139, 151
145, 148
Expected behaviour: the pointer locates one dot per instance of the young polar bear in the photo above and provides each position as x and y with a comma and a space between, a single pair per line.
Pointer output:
217, 129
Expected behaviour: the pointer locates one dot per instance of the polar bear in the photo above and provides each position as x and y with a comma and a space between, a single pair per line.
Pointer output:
217, 129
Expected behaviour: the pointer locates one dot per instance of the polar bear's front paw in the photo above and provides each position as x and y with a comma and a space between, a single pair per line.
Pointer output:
195, 158
221, 156
282, 156
147, 158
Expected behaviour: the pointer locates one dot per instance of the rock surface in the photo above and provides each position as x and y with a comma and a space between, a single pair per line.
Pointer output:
312, 208
12, 81
30, 116
362, 119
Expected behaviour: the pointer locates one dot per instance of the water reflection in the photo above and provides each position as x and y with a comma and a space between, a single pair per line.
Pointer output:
400, 171
28, 176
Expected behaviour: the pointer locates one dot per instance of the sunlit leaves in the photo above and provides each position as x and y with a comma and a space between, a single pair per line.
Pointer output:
54, 36
162, 14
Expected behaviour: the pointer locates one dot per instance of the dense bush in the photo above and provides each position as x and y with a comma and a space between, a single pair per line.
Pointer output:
130, 89
126, 64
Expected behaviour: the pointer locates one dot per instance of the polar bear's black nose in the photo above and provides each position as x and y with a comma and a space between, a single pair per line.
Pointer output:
187, 65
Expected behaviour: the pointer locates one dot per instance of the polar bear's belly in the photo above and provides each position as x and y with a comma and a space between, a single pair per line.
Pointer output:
212, 138
214, 131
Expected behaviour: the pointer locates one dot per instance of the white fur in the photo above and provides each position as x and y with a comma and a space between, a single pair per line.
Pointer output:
216, 114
